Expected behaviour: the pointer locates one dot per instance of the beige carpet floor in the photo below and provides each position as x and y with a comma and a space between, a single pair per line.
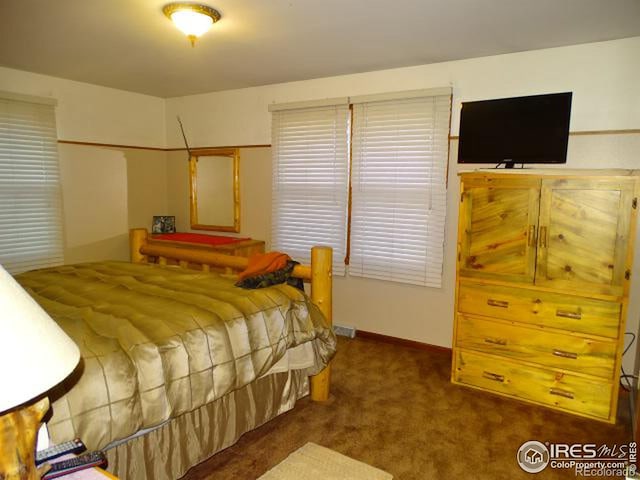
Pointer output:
394, 408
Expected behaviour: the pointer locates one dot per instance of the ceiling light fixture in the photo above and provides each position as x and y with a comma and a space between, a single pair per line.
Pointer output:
191, 18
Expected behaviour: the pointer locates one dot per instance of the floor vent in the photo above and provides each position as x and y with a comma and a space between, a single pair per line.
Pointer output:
344, 331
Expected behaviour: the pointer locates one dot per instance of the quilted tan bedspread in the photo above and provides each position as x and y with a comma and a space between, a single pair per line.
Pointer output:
160, 341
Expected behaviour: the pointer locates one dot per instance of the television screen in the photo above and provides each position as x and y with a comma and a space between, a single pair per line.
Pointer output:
533, 129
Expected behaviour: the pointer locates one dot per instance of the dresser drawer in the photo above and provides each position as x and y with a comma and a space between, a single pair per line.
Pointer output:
578, 314
539, 385
554, 350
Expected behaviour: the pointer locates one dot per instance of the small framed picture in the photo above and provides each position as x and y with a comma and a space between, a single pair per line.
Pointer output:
163, 224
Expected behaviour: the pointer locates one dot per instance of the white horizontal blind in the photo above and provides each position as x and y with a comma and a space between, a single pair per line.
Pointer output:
310, 175
400, 150
30, 207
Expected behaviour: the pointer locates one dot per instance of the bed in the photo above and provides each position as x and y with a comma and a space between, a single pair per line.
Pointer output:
177, 362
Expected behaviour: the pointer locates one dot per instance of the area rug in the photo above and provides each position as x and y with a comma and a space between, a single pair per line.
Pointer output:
313, 462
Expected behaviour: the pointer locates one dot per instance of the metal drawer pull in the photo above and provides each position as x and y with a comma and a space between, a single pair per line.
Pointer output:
563, 354
495, 341
567, 314
497, 303
542, 235
561, 393
493, 376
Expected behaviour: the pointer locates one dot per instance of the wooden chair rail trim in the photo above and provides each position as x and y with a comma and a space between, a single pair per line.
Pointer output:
183, 149
158, 149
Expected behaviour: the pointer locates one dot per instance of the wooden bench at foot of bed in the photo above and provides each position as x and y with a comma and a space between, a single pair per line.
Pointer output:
319, 274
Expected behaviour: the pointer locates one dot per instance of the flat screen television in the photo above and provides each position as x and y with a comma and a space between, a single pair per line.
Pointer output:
532, 129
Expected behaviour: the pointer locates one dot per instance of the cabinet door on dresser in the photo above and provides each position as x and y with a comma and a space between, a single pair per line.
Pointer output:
498, 224
584, 234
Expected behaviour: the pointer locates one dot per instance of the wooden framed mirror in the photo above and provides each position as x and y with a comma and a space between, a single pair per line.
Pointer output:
214, 180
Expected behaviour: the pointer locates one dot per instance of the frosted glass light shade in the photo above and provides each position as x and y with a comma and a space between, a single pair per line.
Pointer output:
192, 23
191, 18
35, 354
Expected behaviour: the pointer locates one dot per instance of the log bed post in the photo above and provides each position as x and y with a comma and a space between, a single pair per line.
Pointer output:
137, 239
322, 296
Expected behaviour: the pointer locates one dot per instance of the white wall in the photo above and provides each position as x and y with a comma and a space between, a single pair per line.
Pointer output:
90, 113
105, 190
95, 177
603, 77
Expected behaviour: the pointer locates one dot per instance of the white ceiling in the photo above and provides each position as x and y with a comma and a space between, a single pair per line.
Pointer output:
130, 45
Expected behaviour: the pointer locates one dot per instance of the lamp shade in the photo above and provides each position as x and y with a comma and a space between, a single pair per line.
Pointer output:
191, 22
191, 18
35, 354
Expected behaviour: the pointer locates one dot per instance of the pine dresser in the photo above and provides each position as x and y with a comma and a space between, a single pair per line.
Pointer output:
542, 288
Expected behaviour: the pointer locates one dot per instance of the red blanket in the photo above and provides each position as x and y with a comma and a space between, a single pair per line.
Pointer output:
199, 238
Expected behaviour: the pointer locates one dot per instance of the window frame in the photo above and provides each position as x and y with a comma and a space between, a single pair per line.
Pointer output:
431, 279
31, 198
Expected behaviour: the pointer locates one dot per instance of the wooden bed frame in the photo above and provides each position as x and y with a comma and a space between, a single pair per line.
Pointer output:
319, 274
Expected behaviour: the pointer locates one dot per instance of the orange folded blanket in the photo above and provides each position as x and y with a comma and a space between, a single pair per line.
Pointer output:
261, 263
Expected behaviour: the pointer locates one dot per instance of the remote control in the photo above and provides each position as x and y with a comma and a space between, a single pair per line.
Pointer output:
87, 460
72, 446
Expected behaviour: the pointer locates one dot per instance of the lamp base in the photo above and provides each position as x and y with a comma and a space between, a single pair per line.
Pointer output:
18, 433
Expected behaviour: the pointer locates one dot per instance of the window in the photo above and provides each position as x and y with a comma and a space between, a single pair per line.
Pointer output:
310, 179
30, 207
400, 151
